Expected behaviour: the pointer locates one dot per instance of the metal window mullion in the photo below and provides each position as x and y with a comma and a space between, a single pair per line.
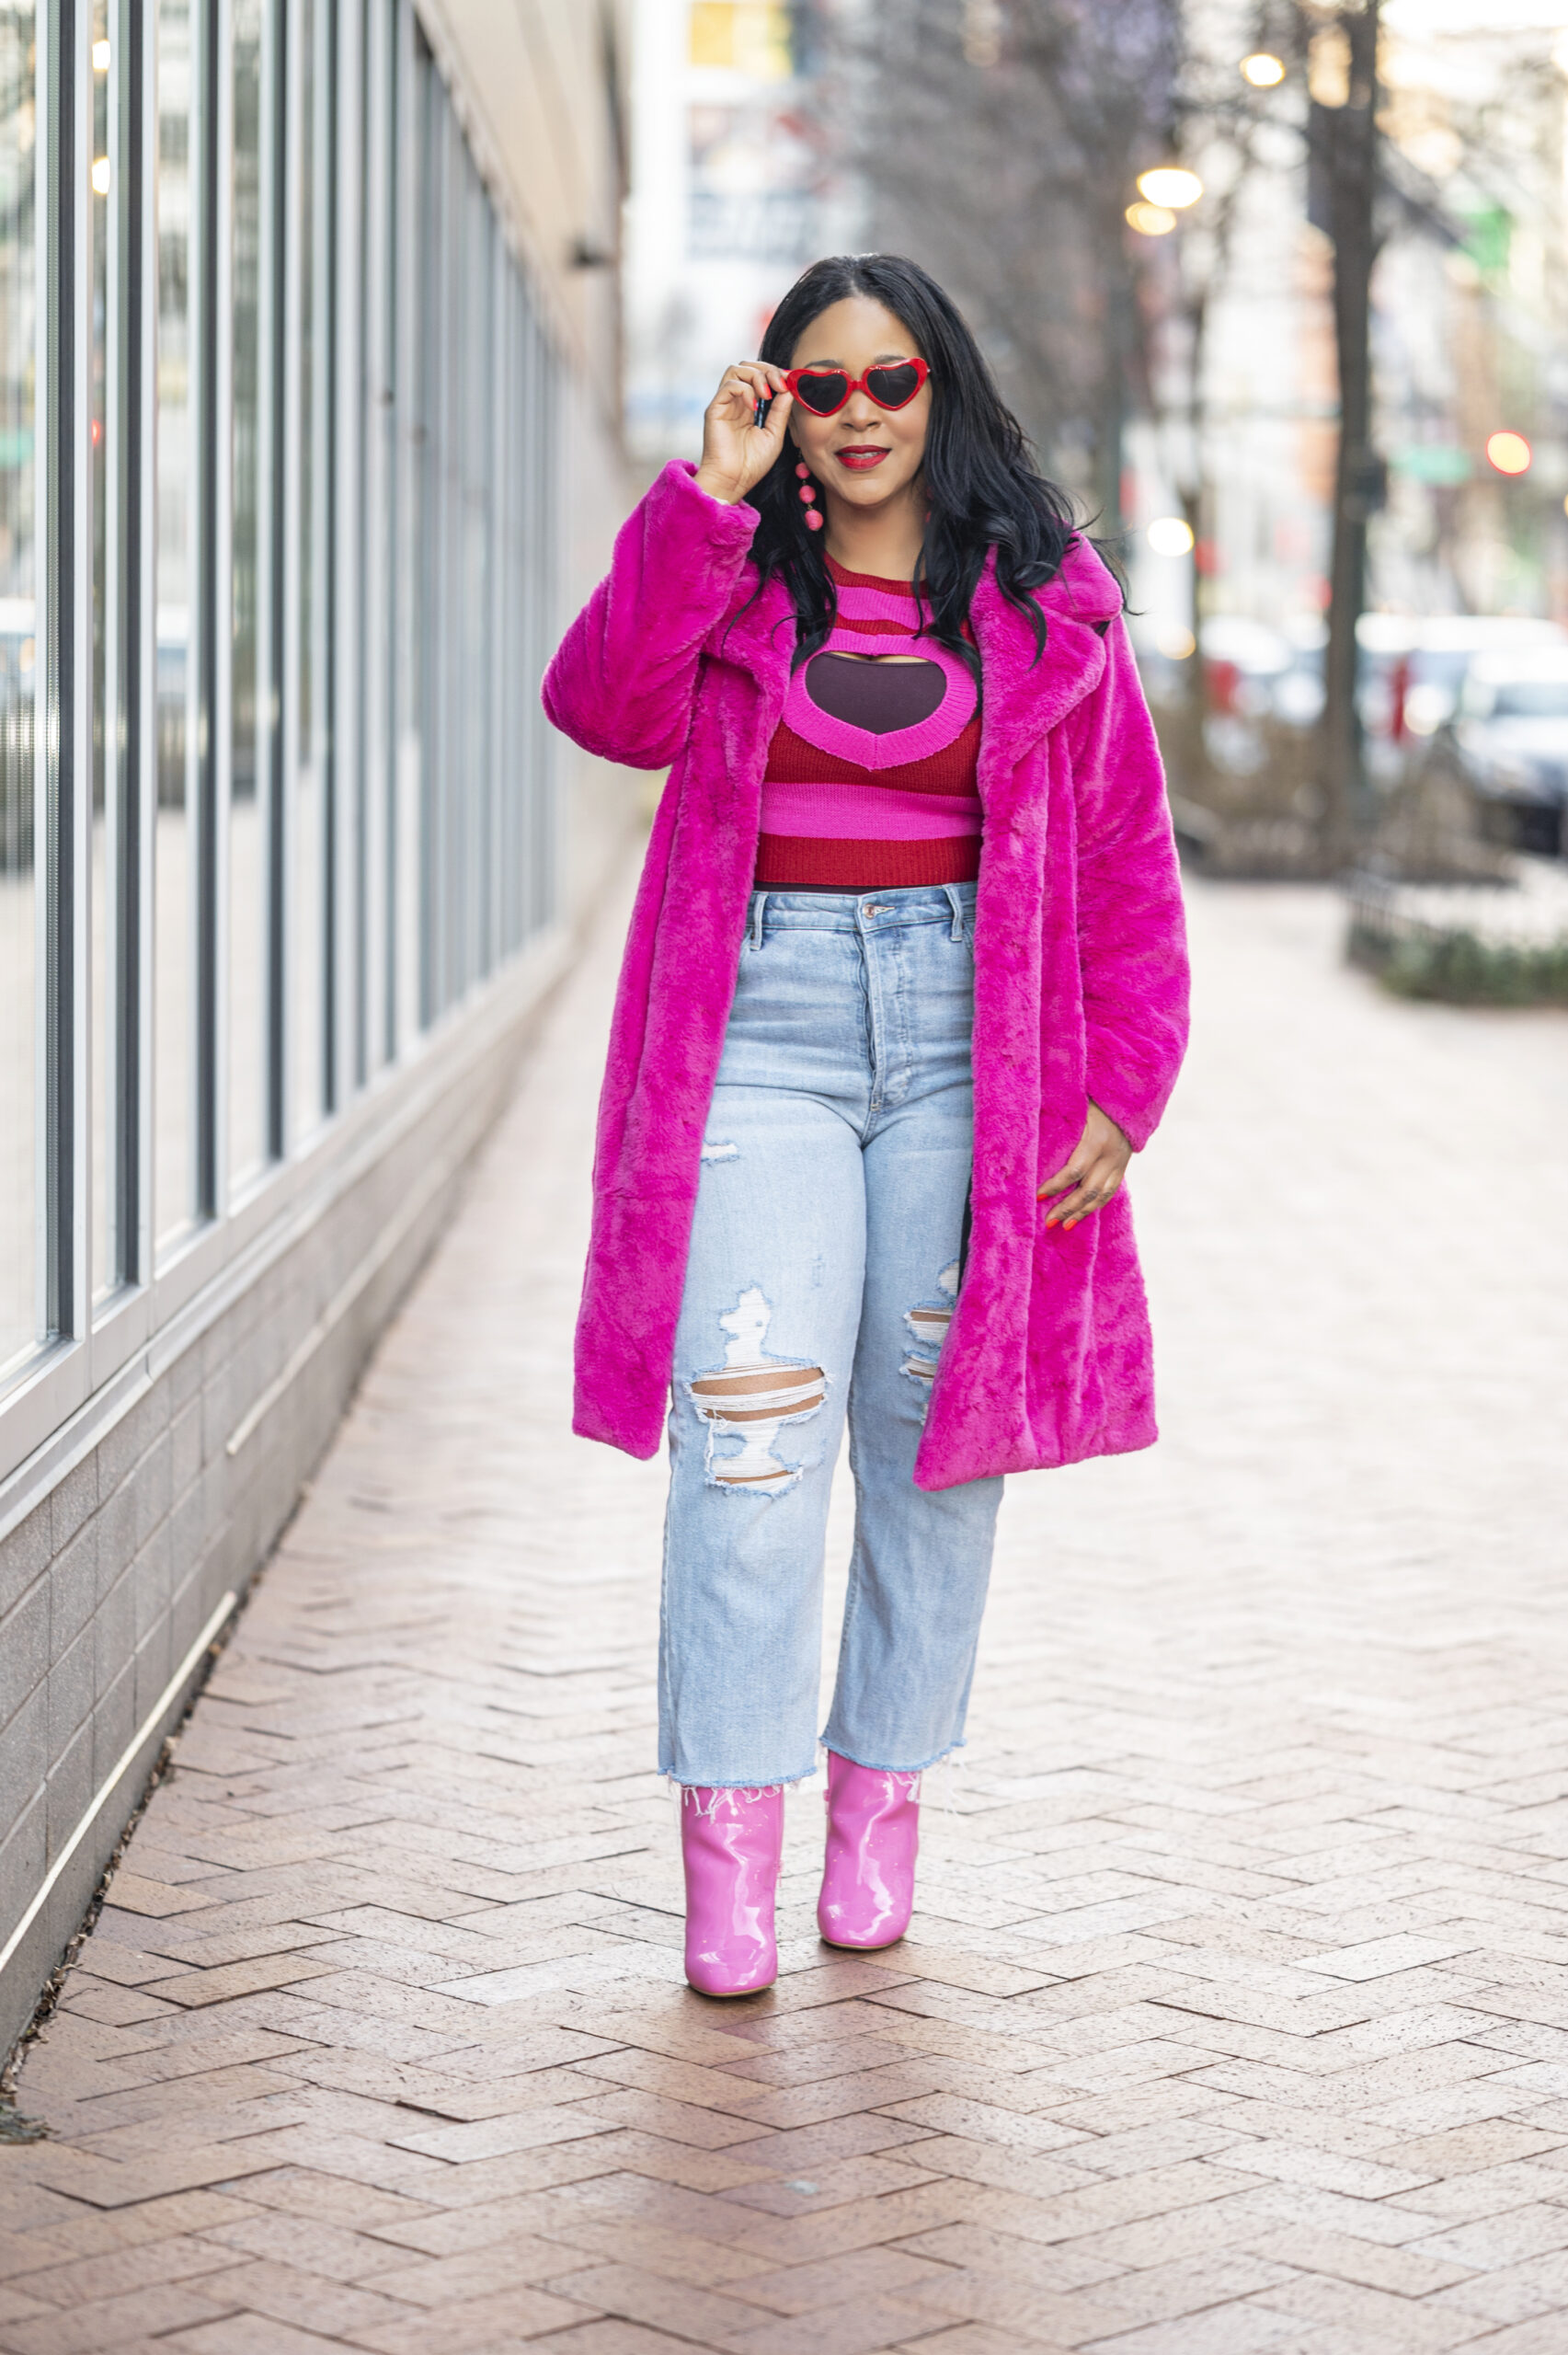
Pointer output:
215, 476
346, 556
532, 433
510, 616
294, 132
528, 379
476, 438
507, 601
471, 776
495, 613
365, 408
403, 698
130, 636
323, 523
198, 814
270, 543
488, 878
550, 622
63, 631
379, 553
497, 620
460, 619
425, 653
425, 593
433, 330
524, 396
405, 686
451, 562
477, 504
538, 489
456, 649
536, 534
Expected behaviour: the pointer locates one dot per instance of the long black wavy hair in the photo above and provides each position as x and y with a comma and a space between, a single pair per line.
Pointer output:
978, 473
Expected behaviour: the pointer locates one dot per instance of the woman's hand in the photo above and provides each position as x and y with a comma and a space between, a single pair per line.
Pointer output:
735, 451
1095, 1171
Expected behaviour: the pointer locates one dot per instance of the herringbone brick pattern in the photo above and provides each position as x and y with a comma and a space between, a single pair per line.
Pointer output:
1235, 2016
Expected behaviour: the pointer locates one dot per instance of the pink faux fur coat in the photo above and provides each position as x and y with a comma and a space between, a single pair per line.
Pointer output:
1081, 979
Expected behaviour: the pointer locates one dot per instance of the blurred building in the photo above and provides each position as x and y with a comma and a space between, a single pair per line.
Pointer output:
309, 436
735, 188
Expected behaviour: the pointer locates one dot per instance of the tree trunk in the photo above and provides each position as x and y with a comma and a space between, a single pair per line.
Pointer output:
1349, 137
1111, 434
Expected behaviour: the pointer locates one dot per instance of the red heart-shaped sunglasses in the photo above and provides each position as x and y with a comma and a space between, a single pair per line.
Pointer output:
893, 384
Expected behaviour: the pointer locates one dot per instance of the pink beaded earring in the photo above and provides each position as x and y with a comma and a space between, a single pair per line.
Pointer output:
809, 498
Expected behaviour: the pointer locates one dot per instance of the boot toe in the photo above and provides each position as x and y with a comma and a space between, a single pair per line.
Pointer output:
732, 1974
857, 1931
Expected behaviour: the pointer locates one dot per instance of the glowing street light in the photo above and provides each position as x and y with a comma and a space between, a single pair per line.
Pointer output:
1170, 535
100, 175
1150, 220
1509, 453
1263, 71
1170, 186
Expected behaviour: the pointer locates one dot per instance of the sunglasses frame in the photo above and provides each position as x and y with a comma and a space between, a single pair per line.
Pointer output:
858, 384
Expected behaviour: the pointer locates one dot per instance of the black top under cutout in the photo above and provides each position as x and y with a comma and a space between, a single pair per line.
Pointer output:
874, 694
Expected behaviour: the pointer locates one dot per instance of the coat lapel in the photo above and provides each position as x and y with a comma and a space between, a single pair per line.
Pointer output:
760, 640
1025, 696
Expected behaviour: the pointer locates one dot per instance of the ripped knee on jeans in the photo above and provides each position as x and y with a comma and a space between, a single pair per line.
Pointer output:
750, 1398
928, 1322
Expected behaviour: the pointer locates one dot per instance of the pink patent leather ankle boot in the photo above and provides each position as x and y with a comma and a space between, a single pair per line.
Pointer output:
731, 1844
868, 1880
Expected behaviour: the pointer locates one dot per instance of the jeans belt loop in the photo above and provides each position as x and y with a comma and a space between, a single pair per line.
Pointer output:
956, 904
759, 902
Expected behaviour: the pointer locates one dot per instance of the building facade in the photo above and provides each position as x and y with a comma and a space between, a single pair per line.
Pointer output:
309, 436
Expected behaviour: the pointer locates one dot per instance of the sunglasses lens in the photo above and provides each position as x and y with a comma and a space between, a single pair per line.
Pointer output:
824, 392
893, 387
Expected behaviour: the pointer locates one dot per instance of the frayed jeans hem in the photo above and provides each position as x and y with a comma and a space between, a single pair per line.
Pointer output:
737, 1783
881, 1766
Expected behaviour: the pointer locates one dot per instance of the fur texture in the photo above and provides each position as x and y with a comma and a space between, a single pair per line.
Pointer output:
1081, 979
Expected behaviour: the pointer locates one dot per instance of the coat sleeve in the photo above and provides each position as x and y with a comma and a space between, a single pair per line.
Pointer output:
622, 678
1131, 929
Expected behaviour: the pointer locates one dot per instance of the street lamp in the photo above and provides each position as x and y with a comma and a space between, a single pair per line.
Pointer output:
1150, 220
1509, 453
1171, 187
1263, 71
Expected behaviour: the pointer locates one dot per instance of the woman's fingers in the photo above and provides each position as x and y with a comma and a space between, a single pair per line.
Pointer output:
1093, 1170
1091, 1180
1092, 1192
1071, 1175
737, 451
749, 382
773, 424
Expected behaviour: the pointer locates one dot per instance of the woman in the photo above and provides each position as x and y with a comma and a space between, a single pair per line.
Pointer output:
905, 989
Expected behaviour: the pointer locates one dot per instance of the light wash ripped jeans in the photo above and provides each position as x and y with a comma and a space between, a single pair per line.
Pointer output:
823, 1270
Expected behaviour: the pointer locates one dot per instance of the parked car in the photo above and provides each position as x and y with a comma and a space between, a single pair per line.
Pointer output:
1255, 671
1509, 740
1413, 666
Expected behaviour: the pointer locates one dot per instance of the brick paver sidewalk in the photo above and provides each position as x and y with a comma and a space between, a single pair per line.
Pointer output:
1236, 2012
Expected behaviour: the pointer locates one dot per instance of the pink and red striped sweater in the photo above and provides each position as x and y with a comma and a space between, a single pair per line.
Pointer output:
870, 780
